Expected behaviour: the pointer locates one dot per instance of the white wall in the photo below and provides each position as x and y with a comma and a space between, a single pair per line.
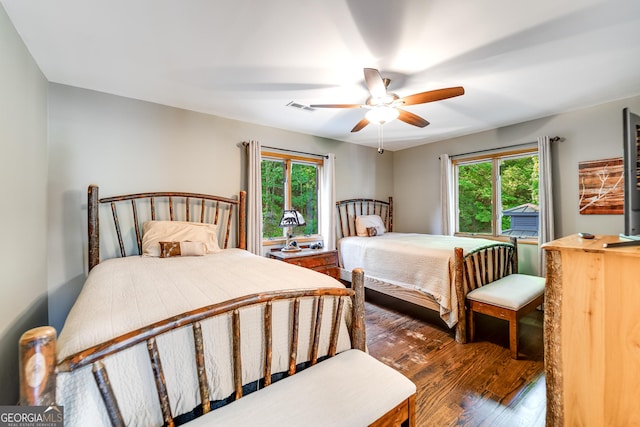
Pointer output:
589, 134
127, 146
23, 174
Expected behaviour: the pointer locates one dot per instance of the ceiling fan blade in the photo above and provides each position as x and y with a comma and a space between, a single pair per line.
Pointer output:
412, 119
361, 124
335, 106
432, 95
375, 84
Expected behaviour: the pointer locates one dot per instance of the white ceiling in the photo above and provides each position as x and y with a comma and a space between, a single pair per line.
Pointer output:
247, 59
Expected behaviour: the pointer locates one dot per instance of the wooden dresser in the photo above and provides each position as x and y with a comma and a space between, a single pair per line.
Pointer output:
592, 333
321, 260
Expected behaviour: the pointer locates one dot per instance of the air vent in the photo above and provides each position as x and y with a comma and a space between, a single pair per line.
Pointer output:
294, 104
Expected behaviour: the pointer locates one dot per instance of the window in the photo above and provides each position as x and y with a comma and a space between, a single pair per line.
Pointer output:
289, 182
497, 195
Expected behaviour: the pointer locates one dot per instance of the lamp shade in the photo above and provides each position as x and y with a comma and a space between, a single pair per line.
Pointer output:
291, 218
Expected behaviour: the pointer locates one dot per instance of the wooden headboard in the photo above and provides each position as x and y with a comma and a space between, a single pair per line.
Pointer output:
348, 210
169, 206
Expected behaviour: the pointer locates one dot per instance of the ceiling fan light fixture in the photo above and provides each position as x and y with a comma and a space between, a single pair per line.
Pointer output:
382, 114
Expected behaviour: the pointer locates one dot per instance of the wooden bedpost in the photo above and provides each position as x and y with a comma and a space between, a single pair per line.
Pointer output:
514, 266
358, 334
38, 367
461, 293
242, 221
93, 226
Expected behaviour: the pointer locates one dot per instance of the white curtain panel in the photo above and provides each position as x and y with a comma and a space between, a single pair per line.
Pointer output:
328, 201
446, 195
545, 231
254, 198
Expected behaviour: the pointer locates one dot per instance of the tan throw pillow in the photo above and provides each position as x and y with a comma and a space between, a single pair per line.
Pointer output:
365, 221
170, 249
154, 232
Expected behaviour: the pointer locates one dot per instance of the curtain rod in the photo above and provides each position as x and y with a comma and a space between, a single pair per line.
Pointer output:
245, 144
552, 139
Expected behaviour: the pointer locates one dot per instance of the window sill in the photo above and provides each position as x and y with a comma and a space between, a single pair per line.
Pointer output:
279, 241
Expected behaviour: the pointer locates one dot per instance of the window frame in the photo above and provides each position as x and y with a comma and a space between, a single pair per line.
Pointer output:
288, 159
496, 189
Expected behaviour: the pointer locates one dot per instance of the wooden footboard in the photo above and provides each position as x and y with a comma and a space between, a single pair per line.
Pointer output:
38, 367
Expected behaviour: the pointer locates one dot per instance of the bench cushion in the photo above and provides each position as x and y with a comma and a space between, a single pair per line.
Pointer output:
512, 292
350, 389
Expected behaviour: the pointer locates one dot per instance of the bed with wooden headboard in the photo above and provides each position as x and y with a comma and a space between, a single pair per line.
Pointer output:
182, 319
435, 272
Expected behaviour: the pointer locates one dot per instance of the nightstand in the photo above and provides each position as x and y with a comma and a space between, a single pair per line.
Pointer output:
321, 260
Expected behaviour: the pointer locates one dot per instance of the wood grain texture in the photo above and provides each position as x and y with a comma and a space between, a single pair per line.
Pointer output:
237, 353
358, 327
552, 341
37, 366
475, 384
323, 261
293, 346
161, 384
596, 345
106, 392
268, 342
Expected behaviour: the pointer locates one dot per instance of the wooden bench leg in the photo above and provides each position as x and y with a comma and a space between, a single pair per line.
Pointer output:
471, 324
514, 329
402, 415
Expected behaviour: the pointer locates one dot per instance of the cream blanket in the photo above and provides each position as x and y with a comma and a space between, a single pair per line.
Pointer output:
423, 262
124, 294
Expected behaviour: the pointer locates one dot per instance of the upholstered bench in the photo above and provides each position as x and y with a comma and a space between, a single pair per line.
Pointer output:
350, 389
509, 298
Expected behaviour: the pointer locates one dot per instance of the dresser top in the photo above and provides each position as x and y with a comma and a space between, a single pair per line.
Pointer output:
575, 242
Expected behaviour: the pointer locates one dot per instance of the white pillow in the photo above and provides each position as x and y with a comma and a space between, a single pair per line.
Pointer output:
154, 232
365, 221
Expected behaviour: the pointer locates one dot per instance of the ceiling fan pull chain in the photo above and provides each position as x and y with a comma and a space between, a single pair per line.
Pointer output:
380, 139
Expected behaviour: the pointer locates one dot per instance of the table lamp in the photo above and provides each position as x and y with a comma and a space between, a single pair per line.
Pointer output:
291, 218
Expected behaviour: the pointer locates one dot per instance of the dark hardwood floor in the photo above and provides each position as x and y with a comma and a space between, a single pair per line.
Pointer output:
475, 384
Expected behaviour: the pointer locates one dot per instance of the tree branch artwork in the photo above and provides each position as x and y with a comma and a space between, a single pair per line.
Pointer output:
601, 186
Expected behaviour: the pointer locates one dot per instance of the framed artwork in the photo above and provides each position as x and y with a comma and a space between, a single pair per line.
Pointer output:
601, 185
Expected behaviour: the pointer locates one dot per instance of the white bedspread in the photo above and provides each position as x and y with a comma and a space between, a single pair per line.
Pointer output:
124, 294
423, 262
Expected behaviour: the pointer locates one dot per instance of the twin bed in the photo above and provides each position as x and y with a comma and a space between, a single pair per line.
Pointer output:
183, 315
432, 271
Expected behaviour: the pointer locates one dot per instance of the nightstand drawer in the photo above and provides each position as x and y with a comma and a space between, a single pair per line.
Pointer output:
316, 261
321, 260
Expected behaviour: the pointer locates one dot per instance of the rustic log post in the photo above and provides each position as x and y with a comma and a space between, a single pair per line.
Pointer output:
553, 339
514, 242
38, 367
94, 226
458, 278
358, 334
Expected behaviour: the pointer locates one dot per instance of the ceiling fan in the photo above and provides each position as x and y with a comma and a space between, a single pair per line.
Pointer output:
384, 106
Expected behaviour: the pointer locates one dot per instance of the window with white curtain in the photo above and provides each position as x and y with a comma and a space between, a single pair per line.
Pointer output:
497, 194
290, 182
